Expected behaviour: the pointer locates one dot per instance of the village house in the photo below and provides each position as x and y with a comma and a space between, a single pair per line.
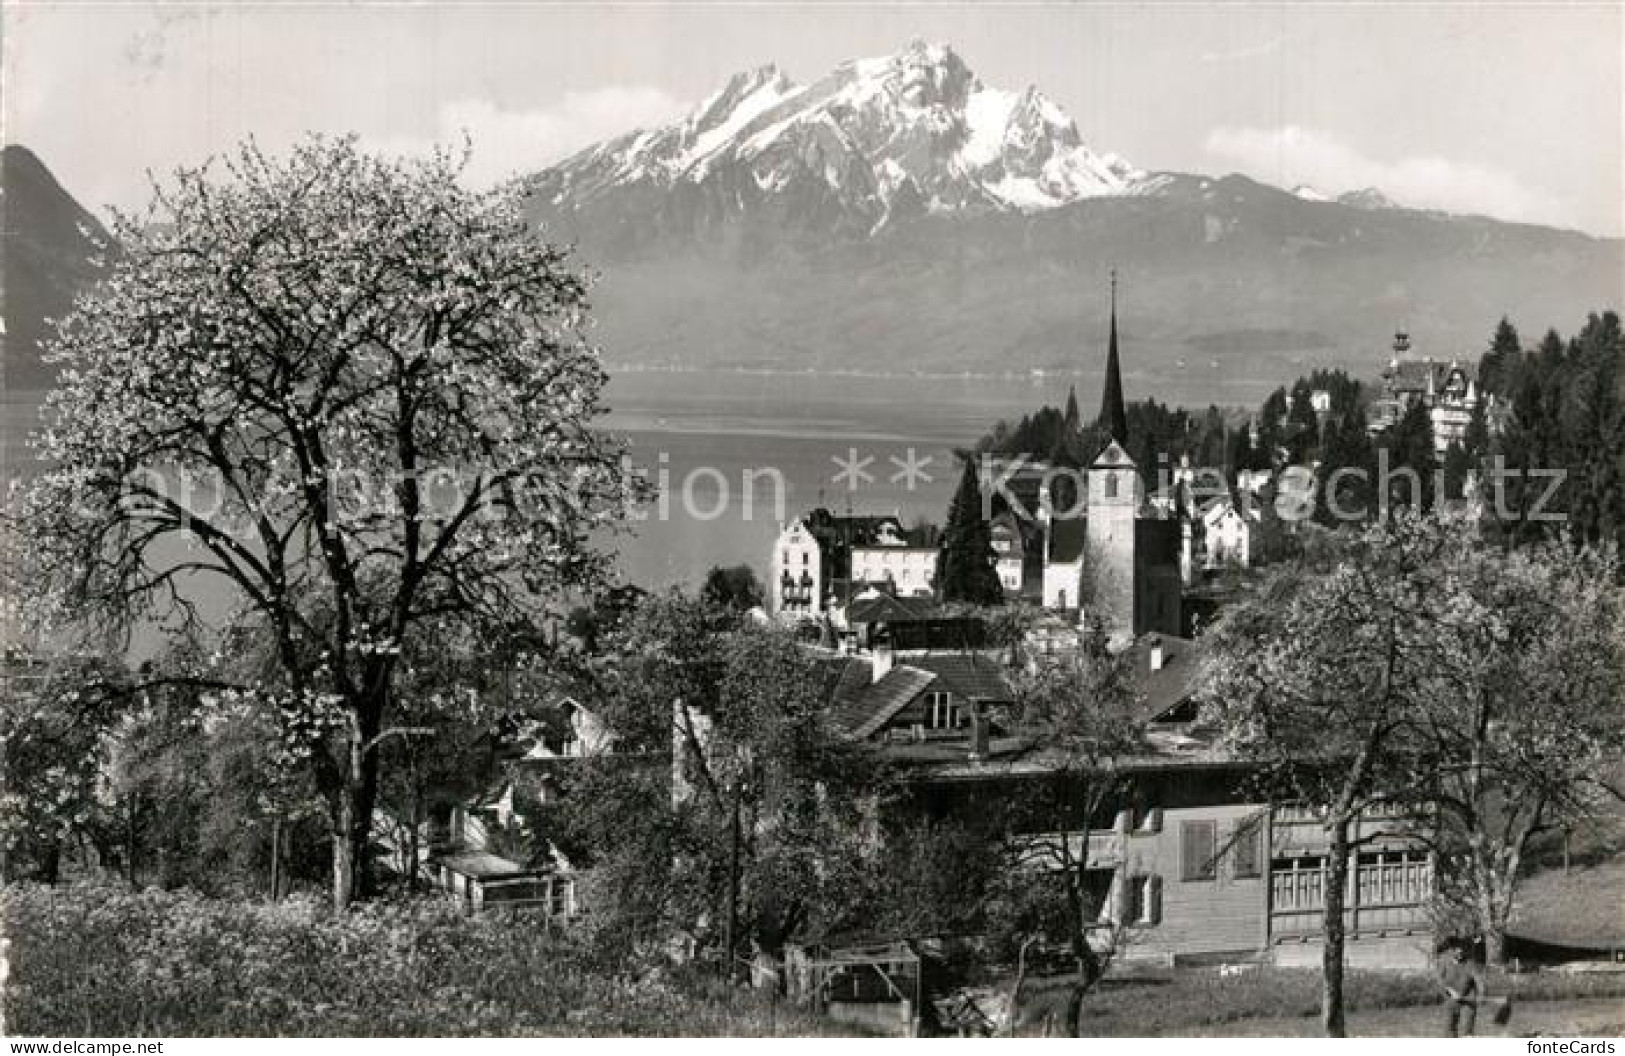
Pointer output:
486, 849
812, 562
1009, 553
904, 561
1448, 390
1188, 865
1232, 532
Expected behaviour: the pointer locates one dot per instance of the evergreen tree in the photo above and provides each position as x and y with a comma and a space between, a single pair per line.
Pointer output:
1072, 418
1272, 427
1498, 368
1347, 471
1594, 429
1302, 432
1410, 446
1477, 438
965, 564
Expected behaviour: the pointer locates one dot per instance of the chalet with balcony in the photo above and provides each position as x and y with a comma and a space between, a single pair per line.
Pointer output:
1187, 862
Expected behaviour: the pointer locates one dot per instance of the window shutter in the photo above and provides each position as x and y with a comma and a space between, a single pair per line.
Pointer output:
1153, 899
1196, 846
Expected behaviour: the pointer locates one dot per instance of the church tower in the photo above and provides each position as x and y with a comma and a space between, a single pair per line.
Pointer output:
1116, 493
1113, 417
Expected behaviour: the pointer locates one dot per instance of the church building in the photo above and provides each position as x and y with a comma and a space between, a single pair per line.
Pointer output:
1121, 556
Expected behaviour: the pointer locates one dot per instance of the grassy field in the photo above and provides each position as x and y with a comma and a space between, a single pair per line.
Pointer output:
1270, 1002
1589, 1017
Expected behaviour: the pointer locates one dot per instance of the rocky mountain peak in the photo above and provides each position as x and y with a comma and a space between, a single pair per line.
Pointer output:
913, 131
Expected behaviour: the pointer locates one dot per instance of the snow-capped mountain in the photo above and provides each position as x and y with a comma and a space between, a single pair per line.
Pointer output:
899, 213
911, 133
1367, 198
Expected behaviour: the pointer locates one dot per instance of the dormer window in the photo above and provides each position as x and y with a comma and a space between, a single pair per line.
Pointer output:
941, 711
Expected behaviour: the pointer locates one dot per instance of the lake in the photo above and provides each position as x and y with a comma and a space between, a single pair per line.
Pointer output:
735, 453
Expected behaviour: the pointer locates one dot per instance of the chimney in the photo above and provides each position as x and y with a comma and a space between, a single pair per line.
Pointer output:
880, 667
978, 734
1156, 654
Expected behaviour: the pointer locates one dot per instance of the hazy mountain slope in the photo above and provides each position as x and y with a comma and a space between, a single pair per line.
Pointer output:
49, 242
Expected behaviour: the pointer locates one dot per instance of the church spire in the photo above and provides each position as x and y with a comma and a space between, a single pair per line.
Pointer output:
1112, 415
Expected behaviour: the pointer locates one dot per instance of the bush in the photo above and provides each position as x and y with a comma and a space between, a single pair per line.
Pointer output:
94, 961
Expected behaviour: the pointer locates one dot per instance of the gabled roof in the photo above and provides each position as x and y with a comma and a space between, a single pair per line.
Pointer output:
1112, 456
859, 706
1219, 504
887, 607
869, 707
1166, 688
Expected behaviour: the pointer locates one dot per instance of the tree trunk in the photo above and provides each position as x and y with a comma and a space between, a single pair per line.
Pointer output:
730, 923
1337, 877
50, 865
131, 843
1082, 953
352, 822
412, 842
276, 857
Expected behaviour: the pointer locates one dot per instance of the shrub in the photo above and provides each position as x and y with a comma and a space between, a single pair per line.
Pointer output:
97, 961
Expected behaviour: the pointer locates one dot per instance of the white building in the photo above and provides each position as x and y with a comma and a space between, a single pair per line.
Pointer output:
1231, 533
796, 584
911, 570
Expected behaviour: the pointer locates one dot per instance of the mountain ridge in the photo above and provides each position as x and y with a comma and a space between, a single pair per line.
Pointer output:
750, 256
50, 253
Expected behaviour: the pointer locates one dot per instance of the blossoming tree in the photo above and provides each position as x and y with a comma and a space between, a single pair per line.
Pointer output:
352, 393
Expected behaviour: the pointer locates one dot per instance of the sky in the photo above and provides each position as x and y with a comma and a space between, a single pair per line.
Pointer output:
1512, 110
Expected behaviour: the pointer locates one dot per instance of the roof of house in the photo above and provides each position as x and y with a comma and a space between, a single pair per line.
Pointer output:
868, 707
1412, 374
1221, 505
480, 865
1173, 683
970, 675
889, 607
860, 705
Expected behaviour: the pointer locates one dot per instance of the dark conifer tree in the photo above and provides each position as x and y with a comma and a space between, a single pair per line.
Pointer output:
1272, 426
1498, 368
1410, 446
1594, 429
965, 565
1476, 440
1302, 430
1348, 447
